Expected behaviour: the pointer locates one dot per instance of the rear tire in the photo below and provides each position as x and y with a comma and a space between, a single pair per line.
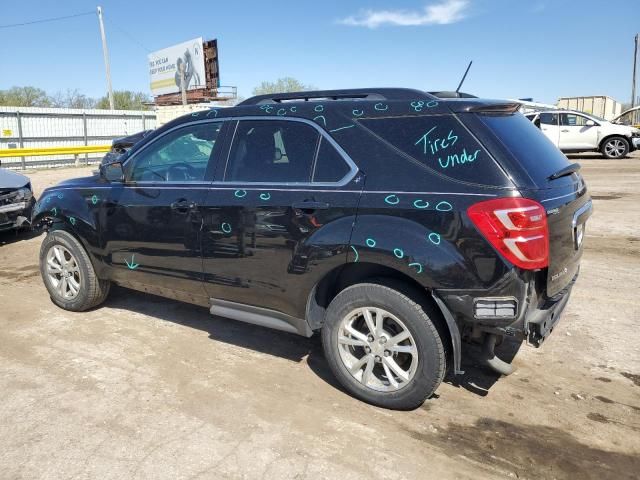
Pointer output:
68, 274
369, 361
615, 147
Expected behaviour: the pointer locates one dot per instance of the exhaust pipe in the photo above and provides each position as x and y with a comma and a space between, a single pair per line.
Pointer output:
489, 358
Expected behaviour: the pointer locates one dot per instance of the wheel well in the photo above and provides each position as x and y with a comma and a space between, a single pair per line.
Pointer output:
608, 137
345, 276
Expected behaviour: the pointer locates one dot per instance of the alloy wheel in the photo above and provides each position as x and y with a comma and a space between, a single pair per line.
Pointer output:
63, 272
615, 148
377, 349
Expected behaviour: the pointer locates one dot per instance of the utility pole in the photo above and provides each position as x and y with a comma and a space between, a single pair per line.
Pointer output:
635, 61
105, 52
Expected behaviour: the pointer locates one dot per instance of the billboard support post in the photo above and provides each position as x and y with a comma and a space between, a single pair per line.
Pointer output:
105, 53
183, 87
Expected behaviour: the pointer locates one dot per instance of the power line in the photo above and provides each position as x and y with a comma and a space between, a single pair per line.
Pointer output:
44, 20
131, 37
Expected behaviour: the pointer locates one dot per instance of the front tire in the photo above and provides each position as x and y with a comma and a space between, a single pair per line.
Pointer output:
615, 147
383, 347
68, 274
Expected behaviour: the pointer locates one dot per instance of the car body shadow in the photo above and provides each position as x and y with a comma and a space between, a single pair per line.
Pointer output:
476, 379
8, 237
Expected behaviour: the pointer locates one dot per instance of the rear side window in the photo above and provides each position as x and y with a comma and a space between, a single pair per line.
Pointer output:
330, 166
272, 151
440, 143
530, 147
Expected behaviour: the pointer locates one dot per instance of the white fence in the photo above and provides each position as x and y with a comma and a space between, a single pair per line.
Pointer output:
27, 127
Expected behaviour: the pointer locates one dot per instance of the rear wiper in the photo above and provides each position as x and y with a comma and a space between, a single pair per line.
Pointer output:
568, 170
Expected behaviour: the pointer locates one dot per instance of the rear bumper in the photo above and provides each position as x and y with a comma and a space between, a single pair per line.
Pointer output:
533, 321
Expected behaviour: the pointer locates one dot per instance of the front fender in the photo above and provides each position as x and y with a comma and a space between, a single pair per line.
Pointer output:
72, 210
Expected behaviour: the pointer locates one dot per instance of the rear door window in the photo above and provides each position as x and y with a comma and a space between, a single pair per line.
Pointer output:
440, 143
330, 166
272, 151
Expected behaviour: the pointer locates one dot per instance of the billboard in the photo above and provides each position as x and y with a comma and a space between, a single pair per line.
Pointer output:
165, 66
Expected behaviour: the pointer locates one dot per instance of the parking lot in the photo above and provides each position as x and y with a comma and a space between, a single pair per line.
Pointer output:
144, 387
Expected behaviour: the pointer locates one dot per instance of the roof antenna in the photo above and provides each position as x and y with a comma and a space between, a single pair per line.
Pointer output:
464, 76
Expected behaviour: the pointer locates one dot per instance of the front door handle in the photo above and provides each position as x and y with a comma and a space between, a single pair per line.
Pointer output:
183, 206
565, 131
309, 206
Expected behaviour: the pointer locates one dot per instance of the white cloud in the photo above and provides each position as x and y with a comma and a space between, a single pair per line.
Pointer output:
443, 13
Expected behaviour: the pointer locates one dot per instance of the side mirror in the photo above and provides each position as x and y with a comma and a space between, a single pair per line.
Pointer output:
590, 123
112, 172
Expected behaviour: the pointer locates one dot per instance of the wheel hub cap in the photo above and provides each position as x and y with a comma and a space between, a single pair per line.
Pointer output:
63, 272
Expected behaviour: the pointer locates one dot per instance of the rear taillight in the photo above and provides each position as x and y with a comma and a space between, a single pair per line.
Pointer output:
516, 227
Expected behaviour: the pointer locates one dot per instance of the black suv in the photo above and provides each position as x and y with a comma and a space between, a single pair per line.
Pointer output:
392, 222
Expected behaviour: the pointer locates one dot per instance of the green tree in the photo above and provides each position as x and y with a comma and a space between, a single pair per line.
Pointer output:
24, 97
281, 85
126, 100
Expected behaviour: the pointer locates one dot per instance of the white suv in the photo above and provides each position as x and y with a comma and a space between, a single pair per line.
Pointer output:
578, 132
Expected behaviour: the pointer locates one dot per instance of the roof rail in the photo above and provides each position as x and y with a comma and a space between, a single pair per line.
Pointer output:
448, 94
347, 94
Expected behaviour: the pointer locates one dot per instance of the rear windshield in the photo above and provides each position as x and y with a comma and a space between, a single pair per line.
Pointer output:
531, 148
442, 144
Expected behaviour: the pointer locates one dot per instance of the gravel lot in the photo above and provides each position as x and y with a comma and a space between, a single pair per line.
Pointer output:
150, 388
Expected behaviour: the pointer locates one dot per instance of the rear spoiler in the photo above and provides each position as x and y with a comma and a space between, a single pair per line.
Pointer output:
496, 108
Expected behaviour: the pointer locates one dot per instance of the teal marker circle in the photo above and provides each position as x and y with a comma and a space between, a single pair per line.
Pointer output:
392, 199
60, 195
379, 107
416, 264
281, 111
319, 108
265, 196
357, 113
293, 109
240, 193
432, 103
444, 206
370, 242
94, 199
434, 238
226, 228
398, 252
195, 114
421, 203
72, 220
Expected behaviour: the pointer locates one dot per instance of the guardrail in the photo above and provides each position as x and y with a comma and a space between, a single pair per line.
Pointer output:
35, 152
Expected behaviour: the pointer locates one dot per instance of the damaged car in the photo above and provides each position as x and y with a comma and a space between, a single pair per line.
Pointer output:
16, 200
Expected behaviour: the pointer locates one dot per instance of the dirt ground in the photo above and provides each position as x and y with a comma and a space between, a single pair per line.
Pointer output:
150, 388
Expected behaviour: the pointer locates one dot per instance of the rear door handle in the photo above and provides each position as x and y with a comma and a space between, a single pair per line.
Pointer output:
183, 206
309, 206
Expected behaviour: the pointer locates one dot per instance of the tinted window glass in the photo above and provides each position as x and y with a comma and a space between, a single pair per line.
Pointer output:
572, 120
549, 118
441, 143
533, 150
330, 166
181, 155
272, 151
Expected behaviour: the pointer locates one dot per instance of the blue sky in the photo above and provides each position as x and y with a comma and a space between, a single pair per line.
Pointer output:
521, 48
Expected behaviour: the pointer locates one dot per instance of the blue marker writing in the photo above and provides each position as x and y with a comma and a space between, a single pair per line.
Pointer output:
226, 228
434, 238
370, 242
356, 252
265, 196
132, 265
392, 199
420, 203
381, 107
417, 265
444, 206
240, 193
398, 252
